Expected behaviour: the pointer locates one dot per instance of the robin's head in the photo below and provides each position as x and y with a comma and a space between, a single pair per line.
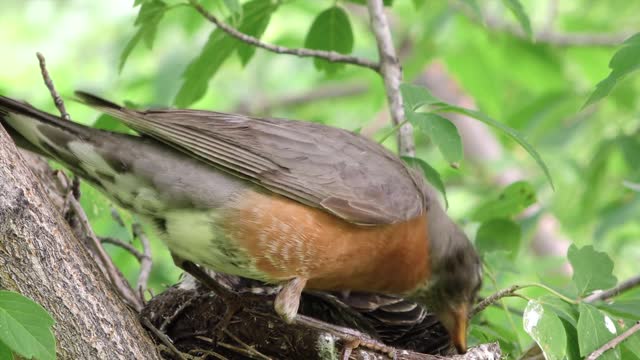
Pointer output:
456, 276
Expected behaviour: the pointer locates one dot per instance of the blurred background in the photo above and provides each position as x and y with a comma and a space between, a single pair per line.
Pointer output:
538, 88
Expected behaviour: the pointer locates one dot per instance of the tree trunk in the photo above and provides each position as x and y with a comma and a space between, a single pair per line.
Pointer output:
41, 259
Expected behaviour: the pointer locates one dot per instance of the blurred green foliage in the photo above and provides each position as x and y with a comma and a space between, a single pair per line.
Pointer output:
174, 56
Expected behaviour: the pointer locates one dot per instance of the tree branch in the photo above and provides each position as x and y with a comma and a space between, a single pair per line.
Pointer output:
41, 259
331, 56
614, 291
510, 291
391, 75
57, 100
614, 342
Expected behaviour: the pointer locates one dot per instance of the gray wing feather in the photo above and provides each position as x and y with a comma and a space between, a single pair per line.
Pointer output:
320, 166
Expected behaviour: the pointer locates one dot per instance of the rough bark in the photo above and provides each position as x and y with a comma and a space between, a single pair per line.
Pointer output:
41, 259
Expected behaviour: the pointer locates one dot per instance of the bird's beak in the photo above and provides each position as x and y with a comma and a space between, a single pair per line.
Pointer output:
456, 323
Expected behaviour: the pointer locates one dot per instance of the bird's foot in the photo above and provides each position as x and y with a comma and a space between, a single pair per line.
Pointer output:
287, 303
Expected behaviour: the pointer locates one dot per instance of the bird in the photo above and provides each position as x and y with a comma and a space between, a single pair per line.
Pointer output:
288, 202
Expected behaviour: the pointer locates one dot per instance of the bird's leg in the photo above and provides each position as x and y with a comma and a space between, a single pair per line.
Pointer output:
288, 299
231, 299
287, 303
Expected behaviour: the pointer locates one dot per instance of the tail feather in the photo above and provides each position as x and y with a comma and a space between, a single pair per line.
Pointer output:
41, 132
95, 101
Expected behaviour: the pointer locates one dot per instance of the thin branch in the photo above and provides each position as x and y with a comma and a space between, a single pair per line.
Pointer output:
332, 91
331, 56
391, 74
614, 291
249, 348
113, 274
546, 36
52, 89
176, 313
71, 200
163, 338
614, 342
490, 300
119, 243
145, 262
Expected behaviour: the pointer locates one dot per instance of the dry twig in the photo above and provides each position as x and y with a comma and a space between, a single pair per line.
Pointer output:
249, 348
331, 56
71, 200
126, 246
614, 342
614, 291
145, 261
52, 89
510, 291
163, 338
112, 272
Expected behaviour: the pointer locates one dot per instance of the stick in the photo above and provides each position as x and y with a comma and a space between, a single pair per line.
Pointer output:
145, 262
52, 89
614, 291
510, 291
331, 56
614, 342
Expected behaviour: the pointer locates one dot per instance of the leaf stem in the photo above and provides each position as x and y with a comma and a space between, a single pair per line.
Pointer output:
554, 292
393, 130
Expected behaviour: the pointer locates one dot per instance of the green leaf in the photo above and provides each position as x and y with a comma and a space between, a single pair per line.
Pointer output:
509, 131
218, 48
544, 326
442, 132
149, 16
518, 11
5, 352
363, 2
624, 61
415, 96
495, 261
632, 344
594, 330
431, 174
512, 201
592, 270
561, 308
419, 3
626, 308
257, 16
234, 7
499, 234
25, 327
330, 31
203, 68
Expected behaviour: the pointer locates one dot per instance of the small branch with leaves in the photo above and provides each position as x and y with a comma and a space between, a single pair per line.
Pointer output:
331, 56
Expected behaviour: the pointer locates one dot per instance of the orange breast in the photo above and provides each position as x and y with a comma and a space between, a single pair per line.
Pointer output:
289, 239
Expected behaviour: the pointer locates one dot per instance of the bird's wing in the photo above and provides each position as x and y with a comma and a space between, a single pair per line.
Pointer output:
325, 167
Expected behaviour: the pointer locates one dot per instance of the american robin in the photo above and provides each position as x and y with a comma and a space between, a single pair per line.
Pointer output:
291, 202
